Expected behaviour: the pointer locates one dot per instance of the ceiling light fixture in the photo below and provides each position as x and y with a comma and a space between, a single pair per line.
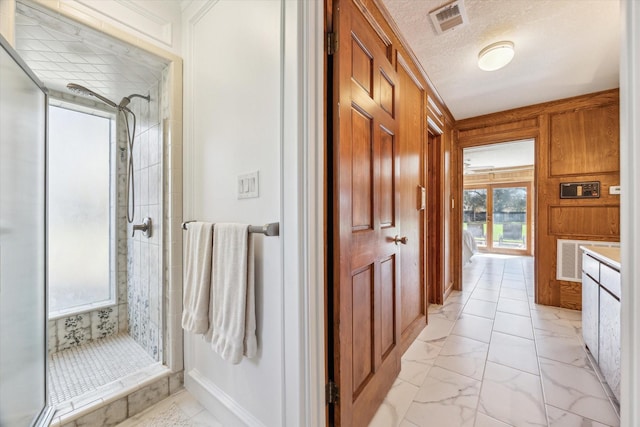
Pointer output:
495, 56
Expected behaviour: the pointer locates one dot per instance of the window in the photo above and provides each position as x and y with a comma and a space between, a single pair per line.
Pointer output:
79, 211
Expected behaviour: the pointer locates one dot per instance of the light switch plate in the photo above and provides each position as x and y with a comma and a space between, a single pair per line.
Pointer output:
248, 185
614, 189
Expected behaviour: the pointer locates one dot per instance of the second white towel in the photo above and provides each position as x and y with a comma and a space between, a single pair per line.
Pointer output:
233, 318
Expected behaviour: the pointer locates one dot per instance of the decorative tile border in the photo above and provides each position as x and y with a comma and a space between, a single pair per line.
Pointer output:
79, 329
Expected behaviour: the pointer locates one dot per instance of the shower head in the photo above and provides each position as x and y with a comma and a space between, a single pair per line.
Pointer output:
127, 99
81, 90
124, 102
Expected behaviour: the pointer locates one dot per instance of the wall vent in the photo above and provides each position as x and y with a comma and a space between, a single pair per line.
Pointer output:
569, 258
449, 16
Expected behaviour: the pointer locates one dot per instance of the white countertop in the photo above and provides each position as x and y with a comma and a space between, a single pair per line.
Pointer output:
608, 255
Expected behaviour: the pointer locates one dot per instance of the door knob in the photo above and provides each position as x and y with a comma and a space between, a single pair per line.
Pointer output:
402, 240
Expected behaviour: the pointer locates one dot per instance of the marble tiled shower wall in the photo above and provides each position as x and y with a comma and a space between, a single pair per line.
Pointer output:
144, 255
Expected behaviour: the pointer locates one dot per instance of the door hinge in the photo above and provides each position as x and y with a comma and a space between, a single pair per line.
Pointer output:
332, 393
332, 43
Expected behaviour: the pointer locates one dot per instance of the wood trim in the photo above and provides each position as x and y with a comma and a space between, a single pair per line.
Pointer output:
518, 114
507, 131
434, 111
434, 127
375, 25
407, 68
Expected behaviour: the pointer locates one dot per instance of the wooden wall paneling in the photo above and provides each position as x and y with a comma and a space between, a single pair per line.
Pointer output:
570, 295
606, 97
585, 142
584, 221
492, 133
576, 140
546, 291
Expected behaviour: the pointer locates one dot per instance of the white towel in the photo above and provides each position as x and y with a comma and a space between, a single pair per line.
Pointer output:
197, 284
233, 315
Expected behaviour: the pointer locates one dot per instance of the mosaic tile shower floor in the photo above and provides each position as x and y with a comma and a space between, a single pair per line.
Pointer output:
79, 370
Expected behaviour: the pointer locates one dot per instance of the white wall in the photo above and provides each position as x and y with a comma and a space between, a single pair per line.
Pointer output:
233, 118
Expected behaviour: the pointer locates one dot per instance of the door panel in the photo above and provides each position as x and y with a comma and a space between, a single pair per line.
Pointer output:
23, 349
362, 170
387, 304
412, 213
362, 323
365, 171
387, 175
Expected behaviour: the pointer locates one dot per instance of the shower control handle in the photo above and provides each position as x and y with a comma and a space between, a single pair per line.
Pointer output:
145, 227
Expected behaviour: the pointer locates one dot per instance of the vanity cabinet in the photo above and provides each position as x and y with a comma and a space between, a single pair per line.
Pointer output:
590, 313
601, 291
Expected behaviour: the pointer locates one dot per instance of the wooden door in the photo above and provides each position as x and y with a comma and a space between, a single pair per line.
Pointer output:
412, 203
366, 222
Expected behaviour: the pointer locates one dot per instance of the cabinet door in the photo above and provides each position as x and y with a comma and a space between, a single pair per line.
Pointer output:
609, 342
590, 301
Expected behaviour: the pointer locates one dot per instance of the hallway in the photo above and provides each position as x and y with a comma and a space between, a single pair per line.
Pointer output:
491, 357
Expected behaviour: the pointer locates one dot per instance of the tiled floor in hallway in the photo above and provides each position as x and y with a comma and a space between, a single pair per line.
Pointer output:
178, 410
491, 357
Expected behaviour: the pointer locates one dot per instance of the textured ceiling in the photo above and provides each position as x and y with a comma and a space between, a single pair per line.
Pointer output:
563, 48
60, 51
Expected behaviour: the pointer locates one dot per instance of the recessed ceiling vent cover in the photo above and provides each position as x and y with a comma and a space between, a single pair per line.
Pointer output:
449, 16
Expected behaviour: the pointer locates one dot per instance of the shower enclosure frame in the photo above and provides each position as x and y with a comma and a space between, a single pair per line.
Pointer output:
172, 185
45, 412
171, 170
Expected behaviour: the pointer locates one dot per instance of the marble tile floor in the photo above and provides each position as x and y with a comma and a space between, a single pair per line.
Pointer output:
491, 357
180, 409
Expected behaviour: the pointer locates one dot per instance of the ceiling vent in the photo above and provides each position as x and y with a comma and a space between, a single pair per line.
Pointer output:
449, 16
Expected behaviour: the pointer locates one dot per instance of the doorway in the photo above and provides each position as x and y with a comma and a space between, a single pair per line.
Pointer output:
498, 198
101, 347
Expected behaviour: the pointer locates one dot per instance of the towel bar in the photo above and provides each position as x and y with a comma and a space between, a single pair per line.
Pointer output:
271, 229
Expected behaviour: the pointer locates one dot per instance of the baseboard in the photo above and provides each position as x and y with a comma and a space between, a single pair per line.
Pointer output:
220, 404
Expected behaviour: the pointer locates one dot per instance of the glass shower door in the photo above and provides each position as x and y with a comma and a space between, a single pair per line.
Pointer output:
23, 352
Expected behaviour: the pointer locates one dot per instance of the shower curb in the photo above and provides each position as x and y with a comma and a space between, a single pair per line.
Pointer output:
107, 407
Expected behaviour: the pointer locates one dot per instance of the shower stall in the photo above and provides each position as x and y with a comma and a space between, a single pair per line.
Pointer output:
109, 251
